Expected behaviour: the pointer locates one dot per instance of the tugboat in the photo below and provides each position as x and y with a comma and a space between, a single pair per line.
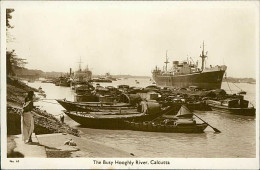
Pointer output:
185, 74
109, 77
63, 81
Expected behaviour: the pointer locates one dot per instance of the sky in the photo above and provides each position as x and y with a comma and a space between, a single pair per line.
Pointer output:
132, 37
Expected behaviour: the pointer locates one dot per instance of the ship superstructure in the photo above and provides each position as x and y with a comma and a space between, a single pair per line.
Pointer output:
82, 75
187, 73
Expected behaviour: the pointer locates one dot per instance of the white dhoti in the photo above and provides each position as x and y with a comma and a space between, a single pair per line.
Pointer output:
27, 124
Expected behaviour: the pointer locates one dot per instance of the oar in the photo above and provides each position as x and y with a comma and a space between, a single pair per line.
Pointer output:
168, 111
215, 129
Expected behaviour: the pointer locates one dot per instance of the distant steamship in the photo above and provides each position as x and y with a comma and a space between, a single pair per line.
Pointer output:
186, 74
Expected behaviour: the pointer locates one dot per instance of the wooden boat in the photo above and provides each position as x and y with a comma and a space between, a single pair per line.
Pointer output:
90, 106
85, 88
84, 93
202, 106
242, 93
183, 122
175, 128
112, 120
232, 106
86, 98
101, 80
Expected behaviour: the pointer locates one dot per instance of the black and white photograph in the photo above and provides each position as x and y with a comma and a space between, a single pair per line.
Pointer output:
130, 84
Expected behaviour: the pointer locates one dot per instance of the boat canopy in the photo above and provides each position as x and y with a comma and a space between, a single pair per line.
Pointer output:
184, 112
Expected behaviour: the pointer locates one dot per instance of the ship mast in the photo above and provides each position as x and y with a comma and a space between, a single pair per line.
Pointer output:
80, 64
166, 62
203, 57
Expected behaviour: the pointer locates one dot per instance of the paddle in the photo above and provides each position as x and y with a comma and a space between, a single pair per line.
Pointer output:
168, 111
215, 129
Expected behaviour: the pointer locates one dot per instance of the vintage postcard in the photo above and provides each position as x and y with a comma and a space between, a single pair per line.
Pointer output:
130, 85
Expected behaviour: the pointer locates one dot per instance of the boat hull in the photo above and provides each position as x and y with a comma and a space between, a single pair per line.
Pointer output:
201, 106
112, 121
86, 98
204, 80
237, 111
99, 123
149, 127
90, 106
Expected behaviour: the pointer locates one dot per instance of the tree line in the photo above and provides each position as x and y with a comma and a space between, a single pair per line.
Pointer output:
12, 60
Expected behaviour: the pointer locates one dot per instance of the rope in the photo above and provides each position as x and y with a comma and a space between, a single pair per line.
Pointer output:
42, 100
57, 114
237, 86
229, 87
47, 99
50, 102
228, 84
251, 104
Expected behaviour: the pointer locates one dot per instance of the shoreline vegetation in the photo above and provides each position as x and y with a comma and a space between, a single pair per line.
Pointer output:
36, 74
239, 80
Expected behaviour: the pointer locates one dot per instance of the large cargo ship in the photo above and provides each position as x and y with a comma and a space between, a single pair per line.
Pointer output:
185, 74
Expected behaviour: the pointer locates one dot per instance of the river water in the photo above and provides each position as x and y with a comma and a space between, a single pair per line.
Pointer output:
238, 137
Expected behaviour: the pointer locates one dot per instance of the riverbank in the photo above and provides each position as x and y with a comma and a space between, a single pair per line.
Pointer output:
55, 148
45, 123
49, 134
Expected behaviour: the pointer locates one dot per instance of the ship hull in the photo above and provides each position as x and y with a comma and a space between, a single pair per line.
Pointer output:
204, 80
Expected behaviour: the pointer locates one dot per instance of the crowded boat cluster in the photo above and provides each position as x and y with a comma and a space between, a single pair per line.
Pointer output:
152, 108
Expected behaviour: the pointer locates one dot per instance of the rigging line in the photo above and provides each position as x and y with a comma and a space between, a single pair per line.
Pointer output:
229, 87
228, 84
251, 104
237, 86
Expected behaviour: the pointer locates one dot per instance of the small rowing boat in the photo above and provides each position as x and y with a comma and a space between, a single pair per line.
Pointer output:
183, 122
